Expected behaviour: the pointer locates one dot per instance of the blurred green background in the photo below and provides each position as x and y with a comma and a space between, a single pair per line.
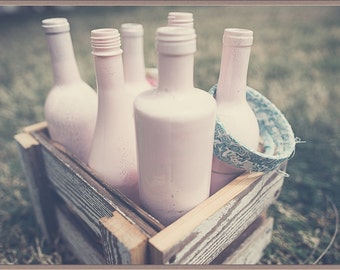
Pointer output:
294, 62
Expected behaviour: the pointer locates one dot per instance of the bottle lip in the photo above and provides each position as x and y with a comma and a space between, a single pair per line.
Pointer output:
175, 40
177, 15
175, 34
56, 25
181, 19
237, 37
132, 30
105, 42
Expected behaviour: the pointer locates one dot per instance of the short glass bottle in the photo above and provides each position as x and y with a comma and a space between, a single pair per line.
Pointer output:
175, 128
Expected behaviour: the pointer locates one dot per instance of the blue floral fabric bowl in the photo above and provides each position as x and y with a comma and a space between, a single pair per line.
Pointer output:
275, 131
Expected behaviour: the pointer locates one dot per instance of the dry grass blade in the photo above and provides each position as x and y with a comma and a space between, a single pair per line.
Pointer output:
335, 231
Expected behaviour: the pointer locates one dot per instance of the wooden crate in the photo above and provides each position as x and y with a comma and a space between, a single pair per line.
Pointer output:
102, 226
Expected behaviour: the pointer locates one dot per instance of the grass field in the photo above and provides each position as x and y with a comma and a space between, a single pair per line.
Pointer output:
294, 62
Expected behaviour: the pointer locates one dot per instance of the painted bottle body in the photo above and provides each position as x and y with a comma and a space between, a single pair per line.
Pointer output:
232, 108
113, 151
70, 108
133, 59
175, 128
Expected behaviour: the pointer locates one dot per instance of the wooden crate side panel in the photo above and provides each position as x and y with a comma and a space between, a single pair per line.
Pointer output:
33, 167
82, 197
251, 249
203, 233
85, 194
82, 247
123, 242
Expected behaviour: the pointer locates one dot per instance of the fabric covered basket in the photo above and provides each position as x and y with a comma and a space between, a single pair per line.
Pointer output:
275, 131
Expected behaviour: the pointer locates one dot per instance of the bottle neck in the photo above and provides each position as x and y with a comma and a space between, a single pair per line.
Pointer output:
109, 73
133, 58
232, 80
64, 65
175, 72
176, 47
108, 60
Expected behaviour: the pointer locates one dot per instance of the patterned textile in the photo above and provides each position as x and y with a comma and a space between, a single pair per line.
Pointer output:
275, 131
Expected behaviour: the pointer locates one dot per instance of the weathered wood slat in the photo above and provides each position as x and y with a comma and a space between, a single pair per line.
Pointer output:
33, 167
123, 242
251, 249
236, 245
204, 232
78, 241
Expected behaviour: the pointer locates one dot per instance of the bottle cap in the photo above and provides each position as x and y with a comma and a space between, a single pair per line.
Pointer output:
131, 30
175, 40
55, 25
181, 19
237, 37
105, 42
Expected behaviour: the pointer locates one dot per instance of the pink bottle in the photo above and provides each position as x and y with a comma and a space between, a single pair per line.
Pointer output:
71, 105
181, 19
113, 152
133, 58
175, 130
232, 107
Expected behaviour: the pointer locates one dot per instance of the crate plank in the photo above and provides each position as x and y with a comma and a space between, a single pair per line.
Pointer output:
33, 166
123, 242
204, 232
78, 241
236, 245
251, 249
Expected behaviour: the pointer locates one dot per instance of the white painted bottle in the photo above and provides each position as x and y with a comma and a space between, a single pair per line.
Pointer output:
175, 128
181, 19
70, 108
113, 152
132, 35
232, 107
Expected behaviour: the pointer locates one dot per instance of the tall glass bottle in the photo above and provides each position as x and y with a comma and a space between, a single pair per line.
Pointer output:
70, 108
181, 19
113, 152
232, 108
133, 58
175, 129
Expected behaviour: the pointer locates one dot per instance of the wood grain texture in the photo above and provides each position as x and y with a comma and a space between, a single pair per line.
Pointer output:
204, 232
38, 185
79, 242
123, 242
237, 243
251, 249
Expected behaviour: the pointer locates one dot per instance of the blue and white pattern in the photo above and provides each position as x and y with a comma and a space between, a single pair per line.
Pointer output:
276, 132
